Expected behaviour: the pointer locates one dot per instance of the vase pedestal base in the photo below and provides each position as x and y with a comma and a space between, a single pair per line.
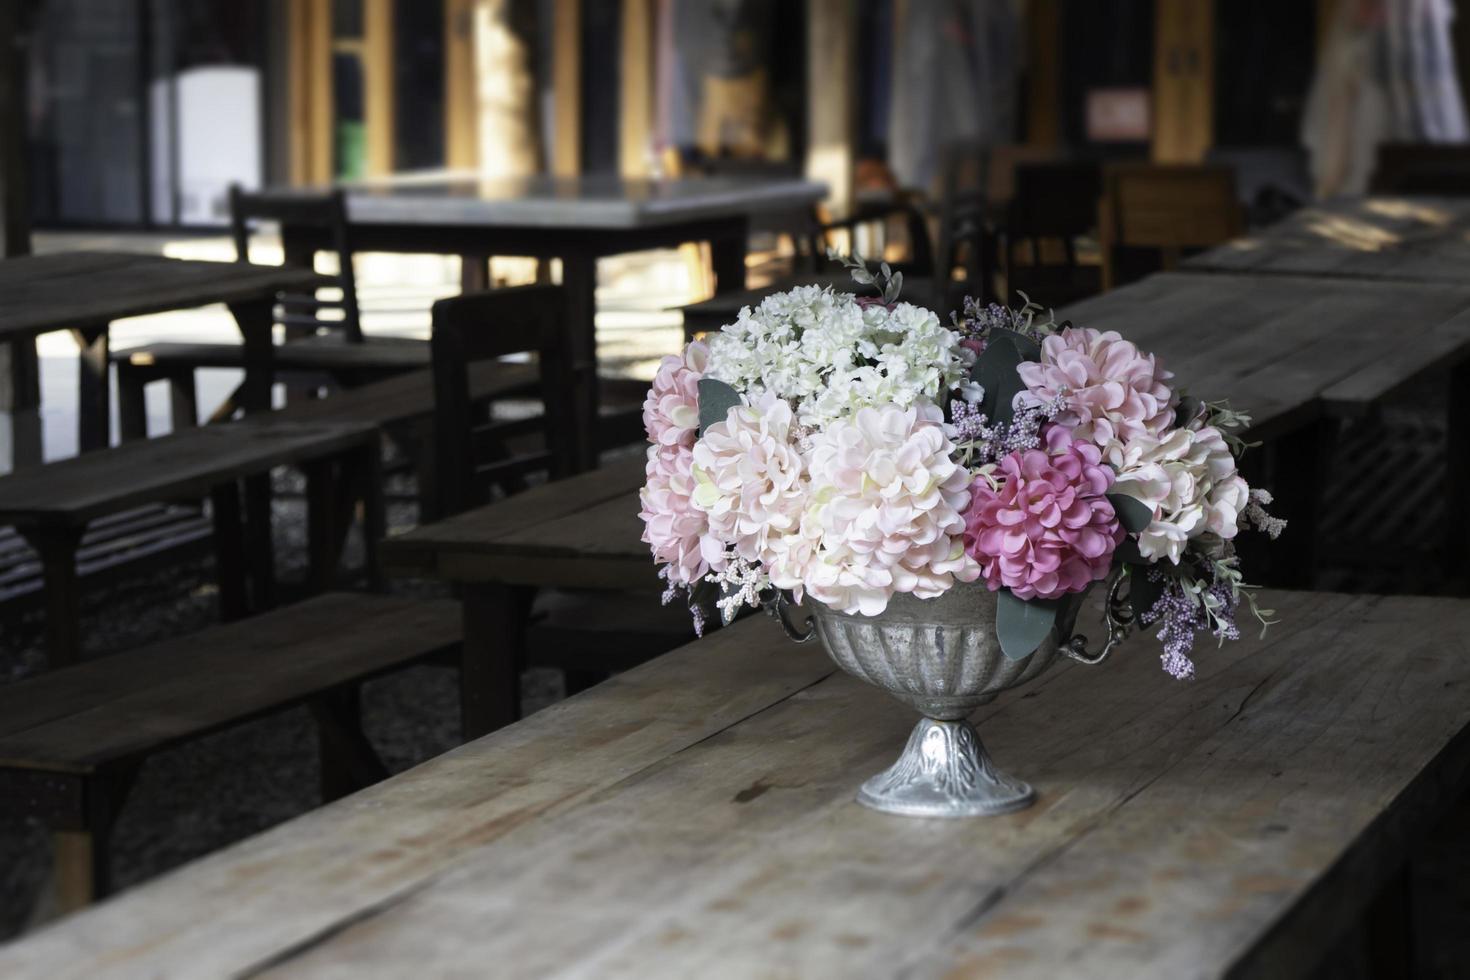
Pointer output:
945, 772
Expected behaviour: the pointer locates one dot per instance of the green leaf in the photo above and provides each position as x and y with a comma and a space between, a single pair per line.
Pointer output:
715, 401
1133, 514
1128, 553
995, 370
1021, 624
1143, 593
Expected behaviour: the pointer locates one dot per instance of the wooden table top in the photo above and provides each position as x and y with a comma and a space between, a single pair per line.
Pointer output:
695, 817
1284, 347
1419, 239
579, 532
80, 290
588, 202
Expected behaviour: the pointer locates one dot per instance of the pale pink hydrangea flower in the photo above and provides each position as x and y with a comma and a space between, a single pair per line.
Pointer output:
672, 527
1113, 391
750, 481
671, 410
1047, 529
885, 514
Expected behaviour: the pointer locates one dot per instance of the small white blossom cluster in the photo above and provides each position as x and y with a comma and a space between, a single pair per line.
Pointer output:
828, 355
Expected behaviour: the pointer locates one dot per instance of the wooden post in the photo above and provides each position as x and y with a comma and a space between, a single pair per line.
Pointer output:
1184, 80
461, 134
1043, 76
635, 98
831, 98
377, 64
312, 113
566, 87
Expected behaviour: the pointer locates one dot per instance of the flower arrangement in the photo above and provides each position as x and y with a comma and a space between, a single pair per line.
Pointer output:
849, 449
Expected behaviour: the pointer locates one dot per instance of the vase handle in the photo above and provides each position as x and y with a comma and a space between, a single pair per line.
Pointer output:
1119, 616
778, 607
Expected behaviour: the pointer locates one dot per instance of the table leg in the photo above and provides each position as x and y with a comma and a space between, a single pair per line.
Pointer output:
94, 392
260, 549
579, 281
255, 320
23, 402
490, 656
57, 548
727, 256
1298, 464
1457, 428
374, 511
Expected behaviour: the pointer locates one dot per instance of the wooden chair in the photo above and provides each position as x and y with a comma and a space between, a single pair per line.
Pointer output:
474, 451
324, 338
1152, 214
1052, 205
1422, 168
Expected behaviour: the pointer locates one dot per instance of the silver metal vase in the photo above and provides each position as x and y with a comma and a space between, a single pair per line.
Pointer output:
942, 657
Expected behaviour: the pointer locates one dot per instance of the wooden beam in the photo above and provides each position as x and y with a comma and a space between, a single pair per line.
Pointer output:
377, 69
832, 98
461, 134
566, 87
1184, 80
312, 122
635, 97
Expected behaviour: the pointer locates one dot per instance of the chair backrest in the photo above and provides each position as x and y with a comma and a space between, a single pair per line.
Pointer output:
474, 451
1422, 168
324, 214
1167, 207
1054, 200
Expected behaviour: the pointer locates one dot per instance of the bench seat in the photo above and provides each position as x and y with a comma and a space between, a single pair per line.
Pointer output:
71, 740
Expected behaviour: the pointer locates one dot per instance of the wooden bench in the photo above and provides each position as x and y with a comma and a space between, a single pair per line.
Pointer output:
71, 740
52, 505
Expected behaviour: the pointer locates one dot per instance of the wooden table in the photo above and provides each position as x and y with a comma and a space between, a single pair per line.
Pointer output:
582, 532
85, 291
695, 817
575, 219
1418, 239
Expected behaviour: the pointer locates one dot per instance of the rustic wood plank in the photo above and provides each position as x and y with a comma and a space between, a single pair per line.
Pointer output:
1419, 239
78, 290
136, 702
181, 465
422, 550
1182, 829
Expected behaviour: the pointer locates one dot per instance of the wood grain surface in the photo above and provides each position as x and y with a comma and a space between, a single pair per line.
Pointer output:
694, 817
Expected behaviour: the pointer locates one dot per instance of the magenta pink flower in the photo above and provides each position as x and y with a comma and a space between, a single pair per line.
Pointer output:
1047, 530
672, 526
671, 410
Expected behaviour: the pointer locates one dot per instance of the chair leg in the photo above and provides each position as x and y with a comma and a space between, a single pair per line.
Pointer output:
132, 403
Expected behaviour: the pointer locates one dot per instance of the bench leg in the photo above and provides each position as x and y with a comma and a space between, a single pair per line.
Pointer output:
369, 468
348, 760
322, 520
491, 656
229, 551
82, 872
94, 406
57, 548
183, 400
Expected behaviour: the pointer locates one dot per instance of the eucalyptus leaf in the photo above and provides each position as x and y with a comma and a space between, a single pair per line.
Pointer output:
1133, 514
995, 371
715, 401
1021, 624
1142, 592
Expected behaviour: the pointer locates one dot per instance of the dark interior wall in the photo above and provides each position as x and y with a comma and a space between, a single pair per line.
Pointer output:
1103, 45
1264, 57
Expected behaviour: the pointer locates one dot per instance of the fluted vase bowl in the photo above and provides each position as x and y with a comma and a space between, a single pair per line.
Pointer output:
942, 657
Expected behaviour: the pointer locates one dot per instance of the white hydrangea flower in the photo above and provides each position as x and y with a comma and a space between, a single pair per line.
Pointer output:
1190, 480
828, 355
749, 480
885, 513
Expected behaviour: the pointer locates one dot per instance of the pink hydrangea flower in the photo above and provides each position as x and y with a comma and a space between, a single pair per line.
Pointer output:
1047, 530
672, 527
671, 410
1113, 391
